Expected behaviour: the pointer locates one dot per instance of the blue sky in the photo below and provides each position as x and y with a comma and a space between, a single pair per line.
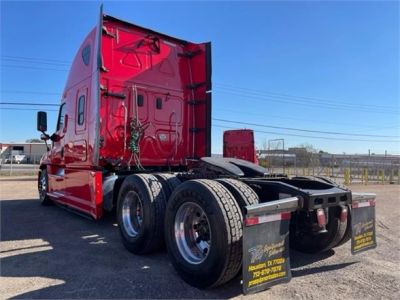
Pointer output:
317, 66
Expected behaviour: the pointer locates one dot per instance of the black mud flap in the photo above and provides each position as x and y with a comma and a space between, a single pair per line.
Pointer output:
363, 236
266, 259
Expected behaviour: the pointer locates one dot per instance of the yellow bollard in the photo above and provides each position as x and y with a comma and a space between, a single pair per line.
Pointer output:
382, 176
363, 176
398, 176
347, 179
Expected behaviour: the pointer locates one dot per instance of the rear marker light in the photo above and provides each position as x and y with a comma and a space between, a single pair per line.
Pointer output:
363, 204
321, 217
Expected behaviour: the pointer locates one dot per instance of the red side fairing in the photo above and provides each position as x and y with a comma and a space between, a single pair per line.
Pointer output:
81, 190
240, 144
162, 82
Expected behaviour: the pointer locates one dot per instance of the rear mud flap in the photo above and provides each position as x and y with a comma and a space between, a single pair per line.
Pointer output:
266, 260
363, 236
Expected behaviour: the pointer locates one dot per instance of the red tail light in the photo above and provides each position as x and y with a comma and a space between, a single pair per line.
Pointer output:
321, 217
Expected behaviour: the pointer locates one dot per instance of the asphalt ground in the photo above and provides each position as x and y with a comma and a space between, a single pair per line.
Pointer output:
48, 252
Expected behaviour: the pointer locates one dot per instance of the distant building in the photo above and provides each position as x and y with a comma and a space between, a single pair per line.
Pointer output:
276, 157
360, 160
297, 150
23, 152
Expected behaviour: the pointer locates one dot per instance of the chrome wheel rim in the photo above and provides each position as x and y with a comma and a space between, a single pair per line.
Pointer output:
43, 185
192, 233
132, 214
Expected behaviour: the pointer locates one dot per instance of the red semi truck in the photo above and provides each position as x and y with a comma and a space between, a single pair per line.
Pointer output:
134, 135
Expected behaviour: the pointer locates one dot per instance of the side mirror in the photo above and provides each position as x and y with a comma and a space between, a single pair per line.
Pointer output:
42, 121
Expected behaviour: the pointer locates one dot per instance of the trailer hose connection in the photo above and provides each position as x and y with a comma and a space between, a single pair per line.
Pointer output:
135, 137
137, 130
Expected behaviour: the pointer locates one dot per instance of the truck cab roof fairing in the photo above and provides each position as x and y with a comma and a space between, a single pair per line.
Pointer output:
147, 30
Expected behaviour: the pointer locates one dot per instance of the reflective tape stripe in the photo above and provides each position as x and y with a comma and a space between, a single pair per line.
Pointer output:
267, 218
363, 204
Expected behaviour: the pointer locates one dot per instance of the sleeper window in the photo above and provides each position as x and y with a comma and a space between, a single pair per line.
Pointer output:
81, 110
86, 55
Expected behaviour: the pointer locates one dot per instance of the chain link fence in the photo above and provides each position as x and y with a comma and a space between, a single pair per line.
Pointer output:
19, 164
346, 169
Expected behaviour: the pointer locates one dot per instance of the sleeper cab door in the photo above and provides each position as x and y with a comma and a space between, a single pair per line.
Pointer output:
76, 146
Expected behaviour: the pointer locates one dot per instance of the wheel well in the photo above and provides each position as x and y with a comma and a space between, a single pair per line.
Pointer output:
117, 187
111, 187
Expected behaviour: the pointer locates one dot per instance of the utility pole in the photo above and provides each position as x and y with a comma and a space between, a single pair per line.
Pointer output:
283, 155
369, 161
369, 158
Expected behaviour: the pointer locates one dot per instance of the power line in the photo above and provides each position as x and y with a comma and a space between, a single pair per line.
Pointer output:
34, 62
232, 88
33, 68
301, 103
235, 122
303, 130
14, 108
310, 99
35, 59
312, 137
28, 92
26, 103
299, 119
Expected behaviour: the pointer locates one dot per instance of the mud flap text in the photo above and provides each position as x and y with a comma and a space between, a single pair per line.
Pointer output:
363, 226
266, 259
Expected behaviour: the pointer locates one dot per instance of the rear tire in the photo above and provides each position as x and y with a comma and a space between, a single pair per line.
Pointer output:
203, 214
43, 188
244, 195
169, 183
308, 242
140, 213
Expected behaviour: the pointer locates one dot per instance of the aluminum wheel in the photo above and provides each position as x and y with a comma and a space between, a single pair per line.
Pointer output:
132, 214
192, 233
42, 185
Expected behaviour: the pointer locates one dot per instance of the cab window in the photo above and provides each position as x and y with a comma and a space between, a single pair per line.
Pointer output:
61, 117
